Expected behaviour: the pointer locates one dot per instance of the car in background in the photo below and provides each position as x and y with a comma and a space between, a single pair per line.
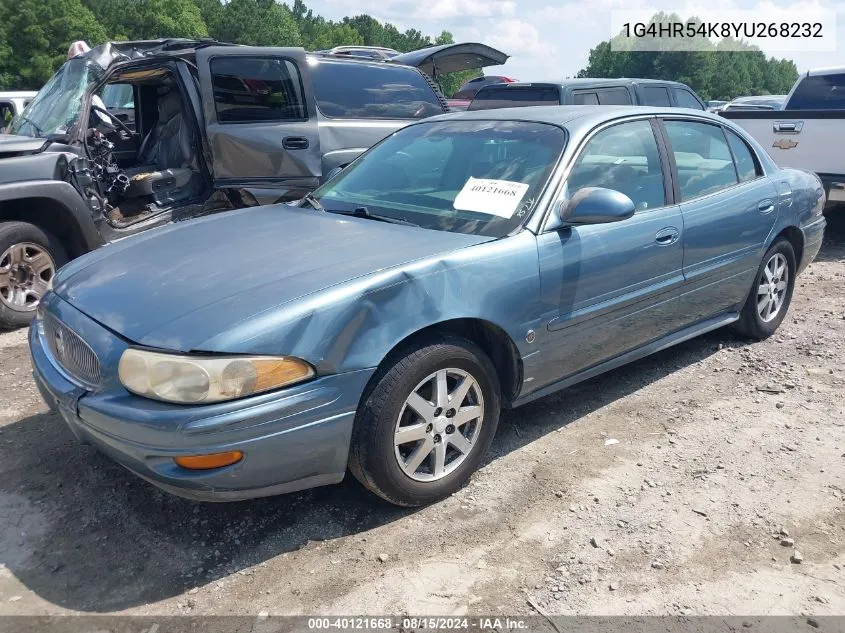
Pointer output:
189, 128
468, 262
462, 98
806, 132
650, 92
762, 102
715, 105
12, 104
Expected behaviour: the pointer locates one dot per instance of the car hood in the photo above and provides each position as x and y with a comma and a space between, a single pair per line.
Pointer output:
11, 144
176, 287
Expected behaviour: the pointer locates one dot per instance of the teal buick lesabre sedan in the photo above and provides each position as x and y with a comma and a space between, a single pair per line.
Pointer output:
467, 263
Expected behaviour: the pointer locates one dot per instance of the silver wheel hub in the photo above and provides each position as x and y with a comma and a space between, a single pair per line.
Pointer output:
26, 270
771, 293
439, 424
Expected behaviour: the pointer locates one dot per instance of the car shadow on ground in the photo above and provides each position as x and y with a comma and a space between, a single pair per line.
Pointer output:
91, 536
82, 533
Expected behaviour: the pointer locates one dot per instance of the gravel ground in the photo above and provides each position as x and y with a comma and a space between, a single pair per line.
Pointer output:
707, 479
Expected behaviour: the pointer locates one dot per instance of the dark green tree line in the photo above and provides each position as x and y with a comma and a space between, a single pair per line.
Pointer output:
724, 71
35, 35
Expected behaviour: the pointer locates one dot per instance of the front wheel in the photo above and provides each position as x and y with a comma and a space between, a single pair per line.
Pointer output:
427, 423
29, 257
771, 294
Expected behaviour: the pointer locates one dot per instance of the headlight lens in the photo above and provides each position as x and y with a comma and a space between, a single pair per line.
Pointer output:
199, 379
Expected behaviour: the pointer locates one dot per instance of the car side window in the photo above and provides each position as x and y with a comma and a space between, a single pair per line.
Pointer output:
624, 158
257, 89
747, 166
614, 96
581, 97
371, 91
702, 157
685, 99
656, 96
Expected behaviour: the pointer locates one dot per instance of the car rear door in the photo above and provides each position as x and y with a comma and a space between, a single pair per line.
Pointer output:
261, 119
729, 208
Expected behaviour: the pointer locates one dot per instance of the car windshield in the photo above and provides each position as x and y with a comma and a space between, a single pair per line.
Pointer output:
477, 177
55, 109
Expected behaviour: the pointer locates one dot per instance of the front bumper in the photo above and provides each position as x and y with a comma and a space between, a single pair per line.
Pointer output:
292, 439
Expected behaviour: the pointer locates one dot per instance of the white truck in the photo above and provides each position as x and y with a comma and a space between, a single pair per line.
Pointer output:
809, 132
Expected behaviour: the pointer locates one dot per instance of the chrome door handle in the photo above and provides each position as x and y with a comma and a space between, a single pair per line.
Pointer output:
766, 206
667, 236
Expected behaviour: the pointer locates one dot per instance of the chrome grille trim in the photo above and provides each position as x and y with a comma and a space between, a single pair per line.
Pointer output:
71, 352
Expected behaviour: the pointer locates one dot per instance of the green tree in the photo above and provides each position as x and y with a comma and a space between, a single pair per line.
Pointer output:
257, 23
35, 36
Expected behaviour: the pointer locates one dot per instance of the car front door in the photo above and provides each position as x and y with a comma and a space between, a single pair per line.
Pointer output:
261, 119
729, 208
611, 288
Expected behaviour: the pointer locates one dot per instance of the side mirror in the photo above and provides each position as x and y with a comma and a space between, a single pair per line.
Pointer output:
596, 205
334, 172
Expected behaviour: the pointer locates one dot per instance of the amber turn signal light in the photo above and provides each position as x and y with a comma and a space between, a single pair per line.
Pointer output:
207, 462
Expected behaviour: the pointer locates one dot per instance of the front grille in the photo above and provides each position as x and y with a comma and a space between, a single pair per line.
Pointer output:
71, 352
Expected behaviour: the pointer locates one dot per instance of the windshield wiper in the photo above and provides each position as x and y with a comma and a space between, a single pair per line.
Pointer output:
313, 202
364, 212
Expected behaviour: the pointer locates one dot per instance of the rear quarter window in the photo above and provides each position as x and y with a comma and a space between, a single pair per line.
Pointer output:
686, 99
492, 98
369, 91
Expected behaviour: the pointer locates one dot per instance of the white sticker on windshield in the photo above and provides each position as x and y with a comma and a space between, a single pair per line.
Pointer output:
495, 197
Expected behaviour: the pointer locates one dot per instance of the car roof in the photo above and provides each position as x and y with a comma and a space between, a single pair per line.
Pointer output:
570, 115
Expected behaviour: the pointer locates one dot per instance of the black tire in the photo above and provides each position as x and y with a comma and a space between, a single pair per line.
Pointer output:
12, 233
751, 323
372, 458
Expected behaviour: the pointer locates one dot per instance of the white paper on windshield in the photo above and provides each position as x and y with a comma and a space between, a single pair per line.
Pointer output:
495, 197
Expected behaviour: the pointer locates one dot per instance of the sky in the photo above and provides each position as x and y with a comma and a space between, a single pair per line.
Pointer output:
550, 41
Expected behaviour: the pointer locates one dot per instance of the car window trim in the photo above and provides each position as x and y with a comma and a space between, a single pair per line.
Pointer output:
558, 181
694, 119
267, 121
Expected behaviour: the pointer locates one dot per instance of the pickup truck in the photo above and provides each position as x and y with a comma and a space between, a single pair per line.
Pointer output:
582, 91
803, 135
133, 135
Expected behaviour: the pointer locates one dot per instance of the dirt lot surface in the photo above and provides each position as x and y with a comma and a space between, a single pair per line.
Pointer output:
693, 481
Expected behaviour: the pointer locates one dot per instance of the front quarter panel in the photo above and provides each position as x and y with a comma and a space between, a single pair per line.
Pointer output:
355, 325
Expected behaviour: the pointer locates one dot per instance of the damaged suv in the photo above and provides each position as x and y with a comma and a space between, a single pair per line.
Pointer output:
133, 135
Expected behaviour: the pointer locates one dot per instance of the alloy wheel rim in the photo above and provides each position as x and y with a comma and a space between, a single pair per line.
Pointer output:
26, 270
439, 425
771, 293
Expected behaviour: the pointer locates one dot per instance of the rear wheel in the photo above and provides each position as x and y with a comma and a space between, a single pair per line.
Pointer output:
427, 423
29, 258
771, 293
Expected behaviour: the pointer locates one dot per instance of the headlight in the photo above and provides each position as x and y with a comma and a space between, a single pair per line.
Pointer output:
199, 379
